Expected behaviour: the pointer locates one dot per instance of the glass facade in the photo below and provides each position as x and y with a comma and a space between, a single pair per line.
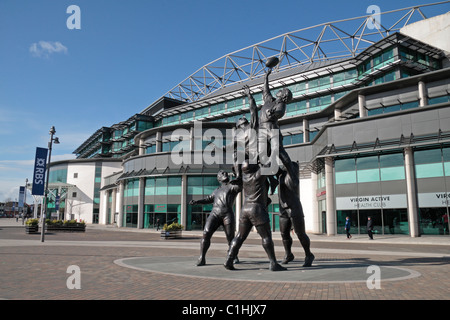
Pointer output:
372, 186
199, 187
432, 167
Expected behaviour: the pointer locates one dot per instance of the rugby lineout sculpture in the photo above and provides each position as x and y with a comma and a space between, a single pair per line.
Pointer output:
255, 181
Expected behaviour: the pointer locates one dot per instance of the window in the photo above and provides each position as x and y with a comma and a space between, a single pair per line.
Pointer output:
393, 108
202, 185
75, 175
150, 186
151, 149
201, 113
319, 103
174, 185
235, 104
344, 77
298, 88
59, 175
319, 84
161, 186
293, 139
392, 167
74, 194
384, 167
345, 171
187, 116
383, 58
428, 163
440, 99
296, 108
367, 169
131, 188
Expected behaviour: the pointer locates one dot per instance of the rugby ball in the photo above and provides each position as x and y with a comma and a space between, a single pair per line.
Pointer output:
272, 62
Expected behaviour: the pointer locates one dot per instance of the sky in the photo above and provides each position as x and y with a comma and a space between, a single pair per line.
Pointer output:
124, 56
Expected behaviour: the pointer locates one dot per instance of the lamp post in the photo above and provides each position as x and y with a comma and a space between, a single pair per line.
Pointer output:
44, 204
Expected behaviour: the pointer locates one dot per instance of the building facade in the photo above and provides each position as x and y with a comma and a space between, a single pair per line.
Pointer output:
370, 132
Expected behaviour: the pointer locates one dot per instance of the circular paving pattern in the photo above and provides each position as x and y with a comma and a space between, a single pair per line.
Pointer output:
256, 269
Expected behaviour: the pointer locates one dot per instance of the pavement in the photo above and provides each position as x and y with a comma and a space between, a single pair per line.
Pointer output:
108, 263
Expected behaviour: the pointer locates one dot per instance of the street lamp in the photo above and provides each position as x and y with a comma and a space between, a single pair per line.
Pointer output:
44, 213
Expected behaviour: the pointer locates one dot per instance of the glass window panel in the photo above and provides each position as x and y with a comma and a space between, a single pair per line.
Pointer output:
195, 190
174, 181
210, 181
160, 186
446, 157
392, 108
392, 173
429, 170
369, 175
391, 160
376, 111
195, 181
297, 138
441, 99
367, 163
345, 177
410, 105
174, 208
149, 187
345, 165
427, 156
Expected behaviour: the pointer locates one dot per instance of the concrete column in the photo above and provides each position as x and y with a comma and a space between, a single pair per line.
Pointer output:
337, 114
315, 207
158, 141
305, 130
362, 106
120, 204
113, 205
191, 139
331, 209
413, 212
141, 148
103, 211
183, 200
423, 98
141, 201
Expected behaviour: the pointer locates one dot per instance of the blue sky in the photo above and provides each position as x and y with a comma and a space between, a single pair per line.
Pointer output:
126, 55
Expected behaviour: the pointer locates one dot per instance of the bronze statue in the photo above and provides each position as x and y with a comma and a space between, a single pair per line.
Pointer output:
291, 213
254, 213
221, 214
255, 183
270, 138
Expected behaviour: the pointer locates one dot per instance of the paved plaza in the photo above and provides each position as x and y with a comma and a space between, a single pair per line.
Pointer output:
127, 264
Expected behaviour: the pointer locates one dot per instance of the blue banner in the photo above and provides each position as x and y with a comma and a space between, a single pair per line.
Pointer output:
21, 196
40, 163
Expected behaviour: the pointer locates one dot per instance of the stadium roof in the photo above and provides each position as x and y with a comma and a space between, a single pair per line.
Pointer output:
323, 42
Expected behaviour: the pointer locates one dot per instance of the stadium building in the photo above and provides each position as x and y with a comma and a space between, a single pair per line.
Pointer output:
369, 125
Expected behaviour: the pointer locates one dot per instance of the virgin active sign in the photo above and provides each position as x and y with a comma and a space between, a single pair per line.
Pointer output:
40, 163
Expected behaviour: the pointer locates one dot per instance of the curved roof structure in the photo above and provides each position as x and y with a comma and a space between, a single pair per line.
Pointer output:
327, 41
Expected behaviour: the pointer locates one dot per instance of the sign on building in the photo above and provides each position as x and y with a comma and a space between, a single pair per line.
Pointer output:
392, 201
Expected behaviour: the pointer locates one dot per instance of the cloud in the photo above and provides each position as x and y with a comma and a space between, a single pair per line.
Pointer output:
43, 49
